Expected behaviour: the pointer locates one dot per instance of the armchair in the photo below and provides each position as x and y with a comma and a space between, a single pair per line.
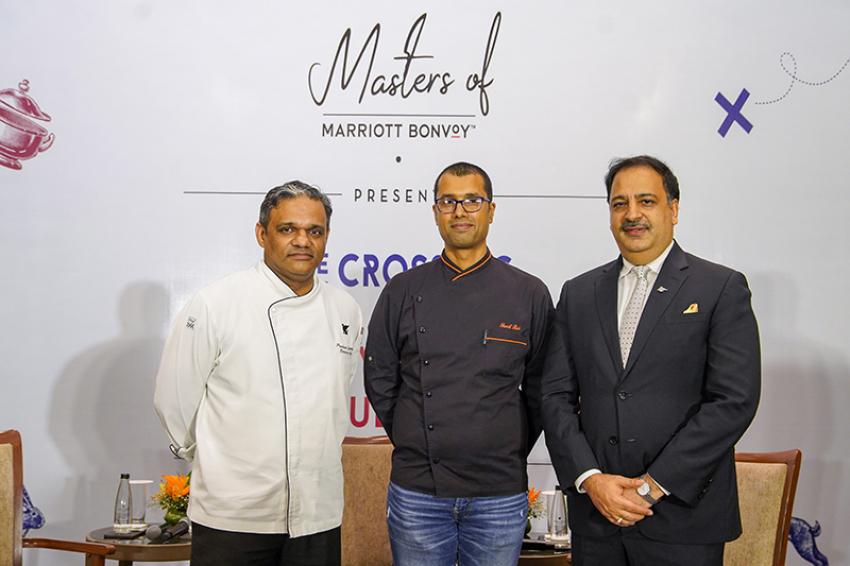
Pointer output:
366, 464
11, 509
767, 482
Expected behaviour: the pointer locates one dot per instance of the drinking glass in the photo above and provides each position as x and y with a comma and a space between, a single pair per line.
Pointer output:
139, 491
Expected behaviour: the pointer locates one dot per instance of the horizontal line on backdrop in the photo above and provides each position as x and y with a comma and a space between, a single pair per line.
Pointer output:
340, 194
497, 196
241, 193
366, 115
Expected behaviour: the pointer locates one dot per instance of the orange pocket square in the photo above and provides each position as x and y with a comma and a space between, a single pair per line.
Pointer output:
694, 308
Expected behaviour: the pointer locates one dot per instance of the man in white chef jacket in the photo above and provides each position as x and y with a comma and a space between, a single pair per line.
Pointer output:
253, 387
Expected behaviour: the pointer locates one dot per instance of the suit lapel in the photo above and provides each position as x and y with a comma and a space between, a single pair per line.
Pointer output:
673, 274
606, 308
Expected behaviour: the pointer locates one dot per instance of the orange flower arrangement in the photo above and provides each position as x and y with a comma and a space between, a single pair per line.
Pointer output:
535, 505
173, 496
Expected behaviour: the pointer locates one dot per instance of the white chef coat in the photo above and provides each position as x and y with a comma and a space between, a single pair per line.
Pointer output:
254, 388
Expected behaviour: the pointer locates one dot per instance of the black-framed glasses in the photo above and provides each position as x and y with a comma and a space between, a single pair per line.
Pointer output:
448, 205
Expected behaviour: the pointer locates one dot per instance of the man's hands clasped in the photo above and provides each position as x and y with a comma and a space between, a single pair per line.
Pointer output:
617, 499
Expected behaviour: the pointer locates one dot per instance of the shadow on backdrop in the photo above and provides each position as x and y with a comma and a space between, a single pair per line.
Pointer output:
803, 405
102, 418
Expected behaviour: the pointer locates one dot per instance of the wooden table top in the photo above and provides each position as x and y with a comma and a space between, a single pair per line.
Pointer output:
142, 549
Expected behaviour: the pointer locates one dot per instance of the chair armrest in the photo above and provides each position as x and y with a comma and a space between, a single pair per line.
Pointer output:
85, 547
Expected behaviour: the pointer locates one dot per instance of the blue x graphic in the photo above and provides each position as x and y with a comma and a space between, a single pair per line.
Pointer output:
733, 112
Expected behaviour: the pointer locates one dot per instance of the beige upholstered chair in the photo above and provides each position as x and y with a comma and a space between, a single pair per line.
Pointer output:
366, 466
767, 482
11, 509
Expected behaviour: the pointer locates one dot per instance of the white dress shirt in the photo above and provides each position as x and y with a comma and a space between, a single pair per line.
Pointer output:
625, 288
628, 281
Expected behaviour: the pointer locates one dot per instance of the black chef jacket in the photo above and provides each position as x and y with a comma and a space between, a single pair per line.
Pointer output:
447, 353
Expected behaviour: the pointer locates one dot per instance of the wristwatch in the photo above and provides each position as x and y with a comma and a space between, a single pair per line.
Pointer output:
645, 491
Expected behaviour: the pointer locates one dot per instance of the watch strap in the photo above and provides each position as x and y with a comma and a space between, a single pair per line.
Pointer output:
649, 499
648, 495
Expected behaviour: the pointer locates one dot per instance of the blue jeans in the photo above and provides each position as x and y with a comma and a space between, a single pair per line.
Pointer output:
426, 530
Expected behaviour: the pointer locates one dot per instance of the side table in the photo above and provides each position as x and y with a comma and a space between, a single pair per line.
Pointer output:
545, 558
142, 550
538, 551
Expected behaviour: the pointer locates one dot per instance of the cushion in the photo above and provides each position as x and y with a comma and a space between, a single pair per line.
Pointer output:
6, 505
760, 487
366, 468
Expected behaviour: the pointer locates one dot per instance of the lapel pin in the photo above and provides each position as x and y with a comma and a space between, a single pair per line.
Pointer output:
662, 289
692, 309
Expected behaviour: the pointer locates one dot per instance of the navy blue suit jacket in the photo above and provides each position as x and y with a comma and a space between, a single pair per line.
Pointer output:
688, 392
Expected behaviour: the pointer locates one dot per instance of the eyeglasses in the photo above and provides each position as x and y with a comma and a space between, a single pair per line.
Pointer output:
448, 205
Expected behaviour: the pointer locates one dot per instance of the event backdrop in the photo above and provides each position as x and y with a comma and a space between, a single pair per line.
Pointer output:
137, 139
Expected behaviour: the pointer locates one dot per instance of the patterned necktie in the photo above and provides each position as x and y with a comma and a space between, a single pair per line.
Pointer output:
633, 311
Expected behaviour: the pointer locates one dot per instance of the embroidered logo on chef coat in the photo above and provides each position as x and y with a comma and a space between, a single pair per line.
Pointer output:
343, 349
345, 328
190, 324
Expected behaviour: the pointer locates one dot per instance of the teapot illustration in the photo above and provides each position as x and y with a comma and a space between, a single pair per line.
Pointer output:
20, 137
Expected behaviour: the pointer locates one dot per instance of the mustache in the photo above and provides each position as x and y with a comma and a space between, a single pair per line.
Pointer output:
634, 224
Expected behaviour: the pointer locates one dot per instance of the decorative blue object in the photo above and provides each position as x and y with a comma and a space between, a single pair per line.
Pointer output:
802, 536
33, 517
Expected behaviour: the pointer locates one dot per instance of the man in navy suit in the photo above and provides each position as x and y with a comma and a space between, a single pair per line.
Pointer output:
652, 376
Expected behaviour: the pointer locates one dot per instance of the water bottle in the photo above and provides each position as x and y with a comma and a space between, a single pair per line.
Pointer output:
123, 506
559, 531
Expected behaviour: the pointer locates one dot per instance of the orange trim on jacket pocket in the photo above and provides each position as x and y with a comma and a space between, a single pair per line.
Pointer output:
488, 338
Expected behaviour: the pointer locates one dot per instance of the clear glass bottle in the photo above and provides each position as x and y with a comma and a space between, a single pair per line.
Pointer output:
123, 506
558, 523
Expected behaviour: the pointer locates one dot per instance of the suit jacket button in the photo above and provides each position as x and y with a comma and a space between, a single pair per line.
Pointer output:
612, 440
430, 427
419, 298
436, 460
421, 330
426, 363
622, 395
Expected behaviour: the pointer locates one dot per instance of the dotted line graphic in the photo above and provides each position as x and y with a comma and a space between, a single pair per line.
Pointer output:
796, 79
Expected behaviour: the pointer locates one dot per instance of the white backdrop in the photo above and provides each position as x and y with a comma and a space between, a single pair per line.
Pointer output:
171, 119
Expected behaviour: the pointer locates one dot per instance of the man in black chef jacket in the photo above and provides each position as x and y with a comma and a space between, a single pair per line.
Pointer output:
453, 364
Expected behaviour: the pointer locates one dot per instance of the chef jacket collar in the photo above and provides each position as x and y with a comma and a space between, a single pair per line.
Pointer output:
284, 290
457, 272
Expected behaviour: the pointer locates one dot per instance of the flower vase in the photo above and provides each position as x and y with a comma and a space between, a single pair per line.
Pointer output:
172, 517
